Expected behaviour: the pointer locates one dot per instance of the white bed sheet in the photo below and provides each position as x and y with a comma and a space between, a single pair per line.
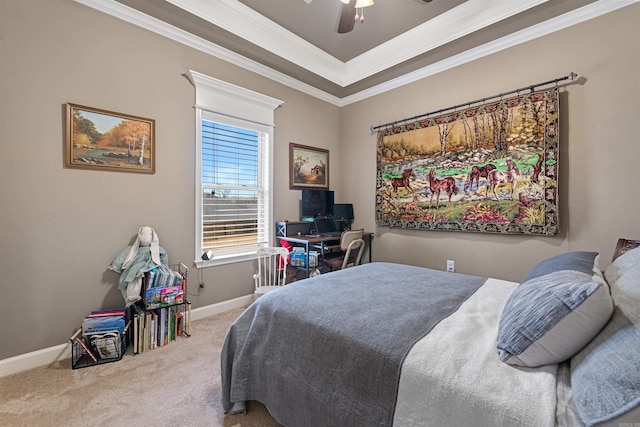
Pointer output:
454, 377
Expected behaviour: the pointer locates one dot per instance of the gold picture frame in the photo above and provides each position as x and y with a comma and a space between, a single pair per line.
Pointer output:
308, 167
104, 140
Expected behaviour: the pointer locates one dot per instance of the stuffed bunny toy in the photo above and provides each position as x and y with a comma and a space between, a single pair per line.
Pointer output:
143, 255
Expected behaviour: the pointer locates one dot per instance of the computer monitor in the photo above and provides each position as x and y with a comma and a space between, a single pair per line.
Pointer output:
343, 211
314, 203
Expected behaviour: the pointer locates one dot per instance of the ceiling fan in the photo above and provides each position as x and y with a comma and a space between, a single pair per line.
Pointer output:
352, 12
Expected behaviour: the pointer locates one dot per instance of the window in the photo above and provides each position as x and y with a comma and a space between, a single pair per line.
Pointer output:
234, 149
235, 187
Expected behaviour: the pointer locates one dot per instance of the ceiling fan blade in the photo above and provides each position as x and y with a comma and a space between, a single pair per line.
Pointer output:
347, 17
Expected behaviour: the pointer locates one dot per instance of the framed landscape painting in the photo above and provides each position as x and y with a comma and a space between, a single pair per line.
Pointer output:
105, 140
308, 167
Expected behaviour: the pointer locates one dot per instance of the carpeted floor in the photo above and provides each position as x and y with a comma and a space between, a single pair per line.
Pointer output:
175, 385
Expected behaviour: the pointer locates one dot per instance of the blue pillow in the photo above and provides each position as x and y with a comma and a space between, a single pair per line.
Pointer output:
581, 262
605, 375
562, 304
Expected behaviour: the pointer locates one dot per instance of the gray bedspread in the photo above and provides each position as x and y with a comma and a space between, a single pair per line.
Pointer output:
327, 351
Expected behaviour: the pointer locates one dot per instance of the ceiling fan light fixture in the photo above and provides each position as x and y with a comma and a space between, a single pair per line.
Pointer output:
362, 3
352, 12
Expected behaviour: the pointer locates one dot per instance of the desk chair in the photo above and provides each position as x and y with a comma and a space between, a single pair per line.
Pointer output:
271, 269
352, 245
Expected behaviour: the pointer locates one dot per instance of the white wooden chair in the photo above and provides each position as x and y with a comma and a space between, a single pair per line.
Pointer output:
271, 269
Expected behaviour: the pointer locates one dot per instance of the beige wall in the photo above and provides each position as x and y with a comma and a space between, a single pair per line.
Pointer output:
60, 228
600, 125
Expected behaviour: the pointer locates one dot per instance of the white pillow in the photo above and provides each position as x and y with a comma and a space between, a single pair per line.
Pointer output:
625, 262
563, 303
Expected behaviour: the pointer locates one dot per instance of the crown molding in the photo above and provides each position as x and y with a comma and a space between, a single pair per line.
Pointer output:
550, 26
125, 13
244, 22
139, 19
442, 29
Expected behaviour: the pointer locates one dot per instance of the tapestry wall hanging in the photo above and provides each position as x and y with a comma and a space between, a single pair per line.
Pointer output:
489, 168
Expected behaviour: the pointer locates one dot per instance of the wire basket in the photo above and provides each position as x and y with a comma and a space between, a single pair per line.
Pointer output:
98, 348
165, 286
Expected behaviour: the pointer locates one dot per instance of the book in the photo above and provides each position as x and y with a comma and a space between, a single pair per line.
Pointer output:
107, 345
168, 323
135, 340
147, 333
172, 324
92, 325
160, 328
104, 313
156, 297
163, 276
154, 330
179, 323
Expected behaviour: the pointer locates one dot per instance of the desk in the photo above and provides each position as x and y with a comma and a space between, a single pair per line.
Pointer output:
307, 241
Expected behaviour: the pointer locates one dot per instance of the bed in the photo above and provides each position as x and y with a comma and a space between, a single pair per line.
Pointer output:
386, 344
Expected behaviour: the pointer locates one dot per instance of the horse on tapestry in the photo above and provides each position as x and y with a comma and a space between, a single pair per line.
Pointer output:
497, 177
412, 205
448, 185
405, 181
476, 173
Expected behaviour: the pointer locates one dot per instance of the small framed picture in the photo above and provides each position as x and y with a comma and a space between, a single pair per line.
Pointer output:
308, 167
104, 140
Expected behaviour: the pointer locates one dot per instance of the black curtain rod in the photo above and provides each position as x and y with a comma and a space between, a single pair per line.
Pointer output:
571, 76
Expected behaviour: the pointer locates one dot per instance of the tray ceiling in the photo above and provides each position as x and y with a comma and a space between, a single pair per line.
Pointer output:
297, 44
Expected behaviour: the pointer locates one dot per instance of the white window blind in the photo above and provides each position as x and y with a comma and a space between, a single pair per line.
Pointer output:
234, 153
235, 188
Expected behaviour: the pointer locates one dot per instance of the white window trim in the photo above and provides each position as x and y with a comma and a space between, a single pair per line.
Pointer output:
235, 104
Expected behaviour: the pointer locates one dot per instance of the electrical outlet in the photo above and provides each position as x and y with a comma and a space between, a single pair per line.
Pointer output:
451, 266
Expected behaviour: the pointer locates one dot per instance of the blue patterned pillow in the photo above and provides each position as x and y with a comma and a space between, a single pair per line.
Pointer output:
605, 375
562, 304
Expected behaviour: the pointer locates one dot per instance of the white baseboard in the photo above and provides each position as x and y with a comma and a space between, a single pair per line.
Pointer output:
34, 359
221, 307
47, 356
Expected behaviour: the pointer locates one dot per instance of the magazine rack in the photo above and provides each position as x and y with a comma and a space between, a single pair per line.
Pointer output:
159, 318
99, 349
164, 314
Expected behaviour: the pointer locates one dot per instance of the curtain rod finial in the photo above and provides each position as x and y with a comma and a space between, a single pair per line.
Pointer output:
572, 76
